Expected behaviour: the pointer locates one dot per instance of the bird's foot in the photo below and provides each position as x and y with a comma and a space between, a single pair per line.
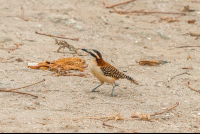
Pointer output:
116, 84
94, 91
113, 95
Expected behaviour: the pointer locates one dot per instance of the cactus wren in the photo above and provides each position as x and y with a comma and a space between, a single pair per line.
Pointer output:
105, 72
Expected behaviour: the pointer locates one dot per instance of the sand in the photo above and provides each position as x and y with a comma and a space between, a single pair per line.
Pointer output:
123, 40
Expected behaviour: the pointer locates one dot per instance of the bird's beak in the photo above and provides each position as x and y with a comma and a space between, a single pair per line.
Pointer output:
85, 50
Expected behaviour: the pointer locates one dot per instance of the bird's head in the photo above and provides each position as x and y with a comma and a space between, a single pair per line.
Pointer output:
94, 53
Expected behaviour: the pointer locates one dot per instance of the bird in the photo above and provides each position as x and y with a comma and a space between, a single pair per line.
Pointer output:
105, 72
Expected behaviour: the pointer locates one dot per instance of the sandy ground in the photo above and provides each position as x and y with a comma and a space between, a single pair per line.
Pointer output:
123, 40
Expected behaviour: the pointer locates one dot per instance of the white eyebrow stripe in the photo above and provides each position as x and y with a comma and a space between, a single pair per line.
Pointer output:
95, 54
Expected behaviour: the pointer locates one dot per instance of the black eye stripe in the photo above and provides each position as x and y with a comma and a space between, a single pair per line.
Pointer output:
93, 55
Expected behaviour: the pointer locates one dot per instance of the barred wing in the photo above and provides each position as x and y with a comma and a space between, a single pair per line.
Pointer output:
112, 72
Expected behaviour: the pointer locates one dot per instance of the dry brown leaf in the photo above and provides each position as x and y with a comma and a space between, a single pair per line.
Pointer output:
189, 57
191, 68
62, 65
191, 21
169, 19
44, 68
150, 63
186, 9
142, 116
69, 67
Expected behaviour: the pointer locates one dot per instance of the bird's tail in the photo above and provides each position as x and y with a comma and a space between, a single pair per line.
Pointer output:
131, 79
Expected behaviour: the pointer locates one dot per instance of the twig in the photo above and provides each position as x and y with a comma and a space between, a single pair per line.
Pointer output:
147, 12
136, 116
191, 87
109, 5
25, 86
197, 37
191, 68
12, 90
166, 110
120, 4
118, 128
57, 36
176, 76
185, 46
22, 14
18, 92
193, 34
114, 117
64, 44
81, 75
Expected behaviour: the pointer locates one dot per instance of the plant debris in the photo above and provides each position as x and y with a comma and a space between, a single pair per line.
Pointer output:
22, 14
189, 57
56, 36
169, 79
169, 19
191, 21
140, 11
111, 6
151, 63
197, 37
148, 116
62, 65
187, 9
104, 124
191, 87
64, 44
9, 47
191, 68
12, 90
114, 117
194, 34
186, 46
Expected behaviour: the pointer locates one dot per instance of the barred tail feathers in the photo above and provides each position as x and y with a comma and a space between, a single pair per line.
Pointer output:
131, 79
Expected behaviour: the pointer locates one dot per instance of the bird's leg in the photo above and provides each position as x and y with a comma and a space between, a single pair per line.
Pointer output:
116, 84
113, 91
96, 88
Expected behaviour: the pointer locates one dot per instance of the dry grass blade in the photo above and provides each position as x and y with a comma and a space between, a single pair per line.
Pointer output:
80, 75
148, 116
120, 3
148, 12
104, 124
169, 19
109, 5
12, 90
197, 37
191, 87
186, 46
57, 36
114, 117
19, 92
22, 14
26, 86
176, 76
177, 103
